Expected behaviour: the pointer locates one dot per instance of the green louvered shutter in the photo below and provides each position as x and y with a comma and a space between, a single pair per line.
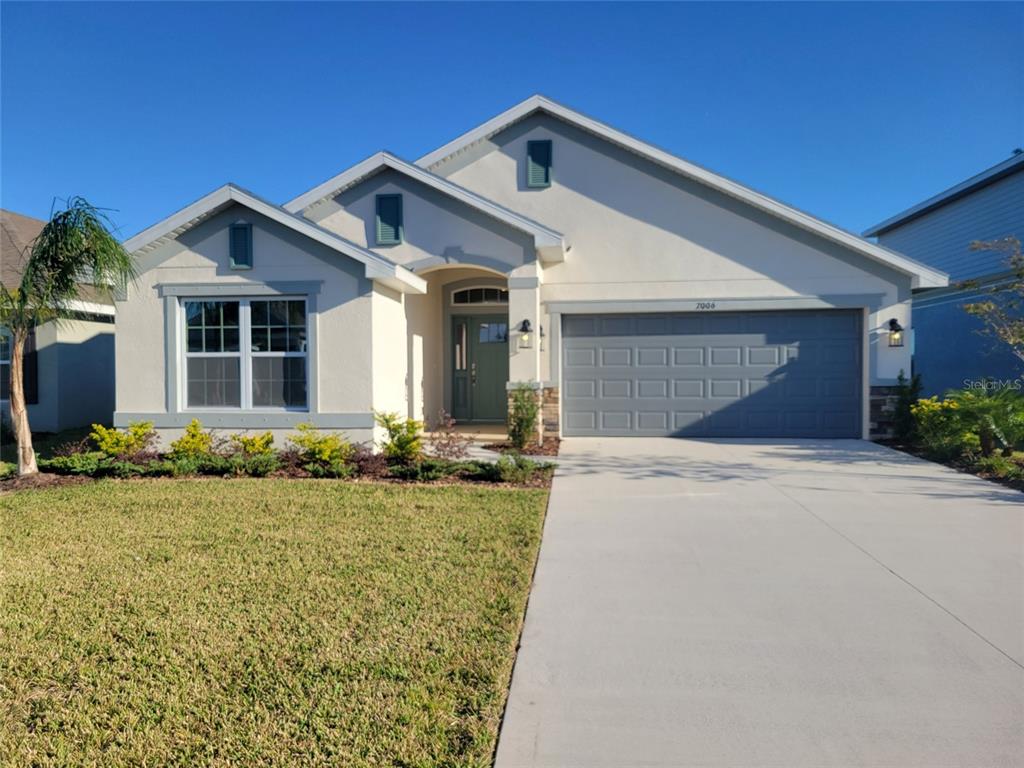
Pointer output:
389, 219
241, 246
538, 163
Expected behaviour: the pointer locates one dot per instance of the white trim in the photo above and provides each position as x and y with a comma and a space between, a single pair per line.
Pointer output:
922, 275
376, 266
90, 308
550, 244
996, 172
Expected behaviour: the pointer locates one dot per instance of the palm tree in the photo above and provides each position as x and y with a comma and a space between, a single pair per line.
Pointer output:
75, 247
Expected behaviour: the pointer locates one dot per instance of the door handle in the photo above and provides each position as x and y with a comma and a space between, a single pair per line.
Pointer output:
472, 374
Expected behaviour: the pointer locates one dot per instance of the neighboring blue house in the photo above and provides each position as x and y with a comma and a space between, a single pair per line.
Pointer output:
949, 352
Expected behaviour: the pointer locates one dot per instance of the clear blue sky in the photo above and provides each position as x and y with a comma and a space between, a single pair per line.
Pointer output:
852, 112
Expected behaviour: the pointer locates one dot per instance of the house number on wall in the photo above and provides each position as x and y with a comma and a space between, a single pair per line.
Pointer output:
705, 305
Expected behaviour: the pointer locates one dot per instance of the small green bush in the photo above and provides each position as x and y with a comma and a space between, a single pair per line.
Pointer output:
258, 465
195, 442
938, 428
75, 464
404, 444
425, 471
335, 469
522, 416
138, 437
515, 468
7, 469
320, 448
120, 468
254, 445
994, 414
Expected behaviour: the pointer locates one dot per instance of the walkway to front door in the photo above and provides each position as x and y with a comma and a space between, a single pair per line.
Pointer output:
479, 367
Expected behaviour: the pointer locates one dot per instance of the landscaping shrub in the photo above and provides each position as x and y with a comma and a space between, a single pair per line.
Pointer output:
445, 442
138, 438
908, 392
73, 464
254, 445
404, 444
7, 469
195, 442
515, 468
522, 416
257, 465
425, 470
938, 428
995, 415
366, 463
320, 454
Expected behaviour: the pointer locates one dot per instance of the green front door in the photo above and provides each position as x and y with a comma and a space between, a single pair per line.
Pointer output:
480, 367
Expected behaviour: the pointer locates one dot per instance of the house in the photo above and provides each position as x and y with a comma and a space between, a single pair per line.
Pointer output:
950, 350
69, 366
633, 292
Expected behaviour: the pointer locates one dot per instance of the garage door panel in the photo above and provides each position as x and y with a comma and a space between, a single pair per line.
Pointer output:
771, 374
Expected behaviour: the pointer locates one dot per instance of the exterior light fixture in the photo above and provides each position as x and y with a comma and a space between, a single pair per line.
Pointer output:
525, 339
895, 333
542, 338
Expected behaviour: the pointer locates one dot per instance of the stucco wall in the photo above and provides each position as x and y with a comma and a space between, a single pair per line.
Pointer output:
641, 232
342, 323
437, 229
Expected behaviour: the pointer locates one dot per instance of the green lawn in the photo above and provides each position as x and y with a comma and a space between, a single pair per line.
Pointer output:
260, 622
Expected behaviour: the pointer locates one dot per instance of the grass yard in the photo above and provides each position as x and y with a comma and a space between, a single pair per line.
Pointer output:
260, 622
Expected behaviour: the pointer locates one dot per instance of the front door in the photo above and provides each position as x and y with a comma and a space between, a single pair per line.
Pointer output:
480, 367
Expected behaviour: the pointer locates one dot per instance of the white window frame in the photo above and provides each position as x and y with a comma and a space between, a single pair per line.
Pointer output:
479, 303
245, 354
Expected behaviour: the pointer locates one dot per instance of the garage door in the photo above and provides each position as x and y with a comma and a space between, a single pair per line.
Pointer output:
721, 374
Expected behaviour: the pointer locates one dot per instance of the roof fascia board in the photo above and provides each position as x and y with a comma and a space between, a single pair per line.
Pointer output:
978, 181
921, 274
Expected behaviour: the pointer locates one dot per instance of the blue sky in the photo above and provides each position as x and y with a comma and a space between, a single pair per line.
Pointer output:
850, 111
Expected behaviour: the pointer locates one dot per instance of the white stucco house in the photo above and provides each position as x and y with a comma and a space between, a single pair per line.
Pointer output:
636, 292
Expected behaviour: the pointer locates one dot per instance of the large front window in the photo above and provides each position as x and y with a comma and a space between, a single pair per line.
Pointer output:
245, 353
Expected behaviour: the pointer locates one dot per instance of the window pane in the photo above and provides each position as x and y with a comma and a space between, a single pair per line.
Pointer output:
297, 313
212, 340
193, 313
230, 339
5, 347
213, 382
5, 381
259, 313
278, 339
279, 382
297, 340
260, 340
195, 339
460, 297
279, 313
230, 310
211, 313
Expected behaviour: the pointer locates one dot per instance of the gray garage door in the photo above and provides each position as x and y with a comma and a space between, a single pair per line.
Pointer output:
717, 374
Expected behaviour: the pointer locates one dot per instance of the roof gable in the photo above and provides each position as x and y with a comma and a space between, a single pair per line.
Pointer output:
376, 267
921, 274
549, 243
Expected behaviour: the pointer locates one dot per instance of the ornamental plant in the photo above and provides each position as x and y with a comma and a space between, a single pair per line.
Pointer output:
522, 416
938, 427
322, 454
253, 445
194, 443
136, 438
404, 443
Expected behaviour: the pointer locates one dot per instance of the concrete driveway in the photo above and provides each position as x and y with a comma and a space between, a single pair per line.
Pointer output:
767, 603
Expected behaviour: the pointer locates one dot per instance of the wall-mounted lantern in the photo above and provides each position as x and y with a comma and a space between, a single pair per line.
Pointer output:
525, 335
895, 333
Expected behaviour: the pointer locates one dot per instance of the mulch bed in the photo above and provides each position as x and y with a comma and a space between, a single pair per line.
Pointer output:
40, 480
547, 448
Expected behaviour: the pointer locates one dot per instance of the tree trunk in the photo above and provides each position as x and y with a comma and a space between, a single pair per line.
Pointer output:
19, 413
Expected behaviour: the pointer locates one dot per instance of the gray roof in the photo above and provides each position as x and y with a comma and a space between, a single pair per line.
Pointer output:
16, 235
1001, 170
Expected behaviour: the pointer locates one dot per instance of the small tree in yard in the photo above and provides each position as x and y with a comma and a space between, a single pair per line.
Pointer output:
1003, 310
74, 247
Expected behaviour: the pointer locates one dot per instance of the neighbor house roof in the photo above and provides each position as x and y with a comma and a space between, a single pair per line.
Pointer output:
921, 274
550, 243
16, 235
376, 267
999, 171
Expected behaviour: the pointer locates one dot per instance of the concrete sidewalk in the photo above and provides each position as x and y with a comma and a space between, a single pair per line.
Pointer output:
766, 603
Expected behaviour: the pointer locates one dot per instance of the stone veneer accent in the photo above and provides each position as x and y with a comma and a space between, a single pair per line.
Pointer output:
882, 409
547, 415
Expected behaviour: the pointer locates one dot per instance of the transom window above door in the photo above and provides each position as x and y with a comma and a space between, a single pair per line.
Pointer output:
480, 296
